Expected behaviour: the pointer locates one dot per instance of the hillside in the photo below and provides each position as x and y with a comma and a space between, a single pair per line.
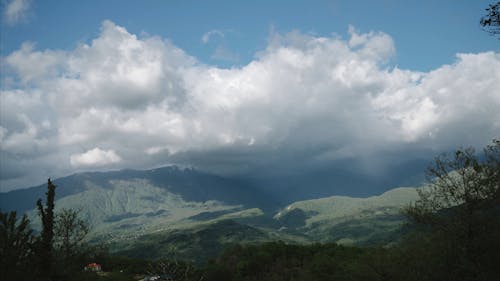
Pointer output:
190, 184
149, 214
349, 220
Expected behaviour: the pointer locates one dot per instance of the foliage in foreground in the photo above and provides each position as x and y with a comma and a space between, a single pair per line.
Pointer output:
459, 214
491, 21
57, 253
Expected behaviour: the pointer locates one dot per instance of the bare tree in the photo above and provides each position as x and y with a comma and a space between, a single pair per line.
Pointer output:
70, 231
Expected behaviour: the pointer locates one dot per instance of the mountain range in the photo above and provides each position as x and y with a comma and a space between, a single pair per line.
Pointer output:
193, 215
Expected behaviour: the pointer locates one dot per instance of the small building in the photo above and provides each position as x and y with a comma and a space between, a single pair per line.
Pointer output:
95, 267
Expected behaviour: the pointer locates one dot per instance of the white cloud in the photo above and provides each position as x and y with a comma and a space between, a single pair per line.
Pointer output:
372, 45
151, 102
35, 65
209, 34
16, 11
95, 157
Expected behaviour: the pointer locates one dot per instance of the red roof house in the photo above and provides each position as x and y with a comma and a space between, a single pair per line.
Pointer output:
93, 267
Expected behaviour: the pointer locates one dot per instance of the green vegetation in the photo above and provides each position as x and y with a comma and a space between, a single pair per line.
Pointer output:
56, 254
280, 261
195, 245
451, 233
16, 245
458, 217
375, 220
128, 212
128, 208
351, 221
44, 251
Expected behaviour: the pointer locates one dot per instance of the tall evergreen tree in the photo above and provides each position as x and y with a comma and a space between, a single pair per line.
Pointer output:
45, 245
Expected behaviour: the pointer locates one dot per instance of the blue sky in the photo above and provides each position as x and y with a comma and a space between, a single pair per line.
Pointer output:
242, 87
427, 33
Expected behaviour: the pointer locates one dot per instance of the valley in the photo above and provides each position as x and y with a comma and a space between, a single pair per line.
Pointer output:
181, 213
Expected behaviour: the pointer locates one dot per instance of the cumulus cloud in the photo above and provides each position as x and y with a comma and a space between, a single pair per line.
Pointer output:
320, 98
16, 11
95, 157
34, 65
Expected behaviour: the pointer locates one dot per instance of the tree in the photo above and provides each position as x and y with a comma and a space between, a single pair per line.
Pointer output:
16, 246
70, 232
491, 21
459, 211
71, 252
465, 181
47, 236
61, 240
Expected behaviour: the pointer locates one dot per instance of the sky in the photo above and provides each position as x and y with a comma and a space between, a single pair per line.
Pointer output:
241, 87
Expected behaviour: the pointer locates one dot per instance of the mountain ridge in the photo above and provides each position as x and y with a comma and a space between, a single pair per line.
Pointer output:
132, 210
192, 184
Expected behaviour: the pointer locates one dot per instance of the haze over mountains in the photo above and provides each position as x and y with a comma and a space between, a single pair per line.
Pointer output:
263, 190
192, 185
198, 213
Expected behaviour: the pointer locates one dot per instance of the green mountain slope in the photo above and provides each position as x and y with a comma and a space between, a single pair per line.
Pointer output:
197, 238
194, 216
135, 207
195, 244
342, 219
190, 184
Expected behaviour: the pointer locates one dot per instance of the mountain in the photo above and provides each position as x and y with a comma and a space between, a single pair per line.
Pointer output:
343, 219
190, 184
373, 220
193, 215
130, 202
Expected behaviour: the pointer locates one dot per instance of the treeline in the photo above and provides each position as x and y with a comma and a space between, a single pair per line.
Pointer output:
454, 234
